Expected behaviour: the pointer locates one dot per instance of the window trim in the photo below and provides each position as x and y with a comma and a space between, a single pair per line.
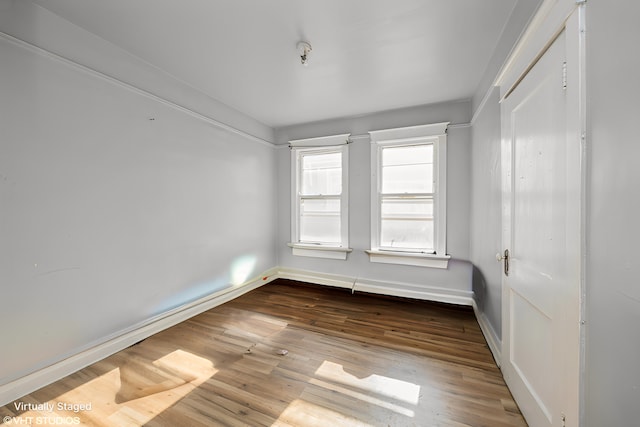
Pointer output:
321, 145
414, 135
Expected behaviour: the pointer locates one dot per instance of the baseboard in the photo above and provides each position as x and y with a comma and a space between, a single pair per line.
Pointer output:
315, 277
493, 341
117, 342
407, 290
123, 339
430, 293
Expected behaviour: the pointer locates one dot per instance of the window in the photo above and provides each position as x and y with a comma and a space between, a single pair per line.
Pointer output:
408, 197
319, 226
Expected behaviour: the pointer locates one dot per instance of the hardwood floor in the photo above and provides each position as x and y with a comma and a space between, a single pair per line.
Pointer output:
351, 360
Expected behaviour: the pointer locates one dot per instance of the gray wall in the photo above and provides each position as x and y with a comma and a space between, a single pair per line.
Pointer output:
108, 218
486, 211
458, 275
613, 271
40, 27
520, 16
485, 204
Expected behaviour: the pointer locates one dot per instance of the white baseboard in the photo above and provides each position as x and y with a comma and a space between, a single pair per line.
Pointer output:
407, 290
315, 277
59, 369
495, 343
112, 344
430, 293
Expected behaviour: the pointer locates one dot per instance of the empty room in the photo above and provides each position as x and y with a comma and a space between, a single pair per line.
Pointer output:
319, 213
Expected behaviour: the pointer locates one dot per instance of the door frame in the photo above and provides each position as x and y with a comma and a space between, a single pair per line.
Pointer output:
552, 18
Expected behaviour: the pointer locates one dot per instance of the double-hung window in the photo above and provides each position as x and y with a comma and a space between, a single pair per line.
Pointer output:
319, 226
408, 198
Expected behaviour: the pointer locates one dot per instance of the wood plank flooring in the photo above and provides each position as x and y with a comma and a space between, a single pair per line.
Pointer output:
351, 360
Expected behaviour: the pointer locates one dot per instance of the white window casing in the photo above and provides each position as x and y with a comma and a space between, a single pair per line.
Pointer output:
320, 197
420, 156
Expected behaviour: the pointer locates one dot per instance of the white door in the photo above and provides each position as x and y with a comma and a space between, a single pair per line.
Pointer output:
541, 231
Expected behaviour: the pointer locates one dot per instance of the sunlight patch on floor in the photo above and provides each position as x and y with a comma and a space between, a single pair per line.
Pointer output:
363, 397
130, 395
378, 397
303, 413
384, 386
156, 387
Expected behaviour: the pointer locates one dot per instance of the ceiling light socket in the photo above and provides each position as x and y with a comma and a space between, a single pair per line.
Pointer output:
304, 48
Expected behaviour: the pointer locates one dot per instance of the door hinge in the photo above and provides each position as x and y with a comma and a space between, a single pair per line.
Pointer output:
564, 75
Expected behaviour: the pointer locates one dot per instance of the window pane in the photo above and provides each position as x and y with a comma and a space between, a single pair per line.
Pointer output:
407, 234
321, 174
416, 208
407, 223
407, 169
320, 221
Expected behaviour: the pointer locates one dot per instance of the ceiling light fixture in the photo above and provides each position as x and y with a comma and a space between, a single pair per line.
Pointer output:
304, 48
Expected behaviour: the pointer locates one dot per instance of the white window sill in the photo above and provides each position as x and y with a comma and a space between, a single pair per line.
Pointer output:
409, 258
319, 251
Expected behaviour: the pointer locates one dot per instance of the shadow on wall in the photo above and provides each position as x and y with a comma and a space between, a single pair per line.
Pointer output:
479, 287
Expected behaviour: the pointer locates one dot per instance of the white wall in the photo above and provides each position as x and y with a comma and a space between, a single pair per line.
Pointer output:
486, 212
108, 218
456, 280
613, 292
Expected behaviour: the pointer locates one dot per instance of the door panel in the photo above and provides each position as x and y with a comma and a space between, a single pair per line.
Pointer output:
538, 159
531, 349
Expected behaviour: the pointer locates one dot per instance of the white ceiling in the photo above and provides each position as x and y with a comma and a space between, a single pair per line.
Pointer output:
368, 55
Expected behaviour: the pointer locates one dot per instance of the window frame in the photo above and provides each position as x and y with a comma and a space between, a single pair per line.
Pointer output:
435, 134
321, 145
